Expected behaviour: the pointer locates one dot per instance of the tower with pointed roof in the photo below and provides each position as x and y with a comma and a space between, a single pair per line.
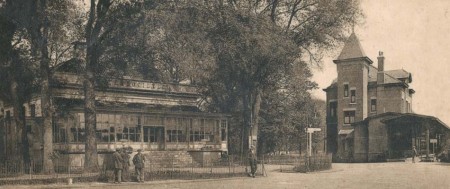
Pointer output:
361, 90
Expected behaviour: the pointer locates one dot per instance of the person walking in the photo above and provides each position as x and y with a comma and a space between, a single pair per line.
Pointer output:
414, 154
118, 166
139, 163
252, 161
126, 165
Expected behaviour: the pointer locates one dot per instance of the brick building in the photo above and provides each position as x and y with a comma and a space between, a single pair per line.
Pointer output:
369, 111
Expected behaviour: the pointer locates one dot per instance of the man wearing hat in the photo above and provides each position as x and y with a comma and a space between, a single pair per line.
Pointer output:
118, 166
252, 161
138, 161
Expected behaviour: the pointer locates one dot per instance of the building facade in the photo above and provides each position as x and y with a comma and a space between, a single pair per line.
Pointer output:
361, 92
161, 118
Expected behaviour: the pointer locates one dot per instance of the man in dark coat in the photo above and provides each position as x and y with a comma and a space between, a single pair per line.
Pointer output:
126, 165
118, 166
138, 161
252, 161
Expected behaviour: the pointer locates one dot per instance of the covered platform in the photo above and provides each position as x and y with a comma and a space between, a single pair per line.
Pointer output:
427, 133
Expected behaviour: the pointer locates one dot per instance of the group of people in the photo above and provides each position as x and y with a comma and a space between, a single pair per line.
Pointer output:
122, 165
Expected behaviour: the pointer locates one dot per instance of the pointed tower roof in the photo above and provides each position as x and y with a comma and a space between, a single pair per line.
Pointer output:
352, 48
352, 51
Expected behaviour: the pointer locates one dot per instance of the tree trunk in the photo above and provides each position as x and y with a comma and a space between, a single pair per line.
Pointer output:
251, 105
247, 123
18, 119
91, 158
47, 112
41, 39
256, 105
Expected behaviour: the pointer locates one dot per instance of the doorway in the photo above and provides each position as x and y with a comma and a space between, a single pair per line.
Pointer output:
154, 135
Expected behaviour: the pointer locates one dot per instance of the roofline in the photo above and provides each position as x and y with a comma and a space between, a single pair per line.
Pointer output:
375, 116
394, 84
418, 115
365, 58
329, 87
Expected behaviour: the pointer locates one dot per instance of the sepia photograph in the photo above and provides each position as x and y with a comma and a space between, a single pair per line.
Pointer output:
252, 94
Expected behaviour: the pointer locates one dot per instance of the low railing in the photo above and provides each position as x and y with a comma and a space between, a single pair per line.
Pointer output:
20, 173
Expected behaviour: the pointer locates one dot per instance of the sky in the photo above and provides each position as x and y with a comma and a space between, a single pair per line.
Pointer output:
414, 35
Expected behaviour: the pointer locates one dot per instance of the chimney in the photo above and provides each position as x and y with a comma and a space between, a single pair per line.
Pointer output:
380, 61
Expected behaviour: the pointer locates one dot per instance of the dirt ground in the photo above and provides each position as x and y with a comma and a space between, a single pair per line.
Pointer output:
342, 175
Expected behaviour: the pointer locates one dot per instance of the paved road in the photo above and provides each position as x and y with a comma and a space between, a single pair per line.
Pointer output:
374, 175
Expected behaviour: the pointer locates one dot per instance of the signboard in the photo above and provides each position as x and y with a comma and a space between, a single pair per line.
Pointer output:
433, 140
312, 130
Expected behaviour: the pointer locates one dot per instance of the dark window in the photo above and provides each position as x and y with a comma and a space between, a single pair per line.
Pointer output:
349, 117
151, 134
223, 127
345, 90
131, 134
59, 133
373, 105
333, 109
353, 96
78, 134
33, 110
175, 136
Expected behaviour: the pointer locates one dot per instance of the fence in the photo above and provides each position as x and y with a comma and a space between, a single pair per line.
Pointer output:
19, 173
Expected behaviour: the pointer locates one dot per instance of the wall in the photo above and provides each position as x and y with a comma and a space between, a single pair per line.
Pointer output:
355, 74
372, 93
389, 99
331, 122
377, 140
361, 138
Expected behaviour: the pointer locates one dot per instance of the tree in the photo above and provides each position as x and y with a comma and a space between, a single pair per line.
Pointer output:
106, 19
40, 33
93, 34
16, 74
247, 47
286, 111
313, 27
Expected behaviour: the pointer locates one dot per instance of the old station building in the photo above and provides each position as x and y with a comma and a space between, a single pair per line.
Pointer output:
370, 115
160, 118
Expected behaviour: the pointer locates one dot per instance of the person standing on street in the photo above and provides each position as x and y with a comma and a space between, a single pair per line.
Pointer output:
138, 161
126, 165
252, 161
118, 166
414, 154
